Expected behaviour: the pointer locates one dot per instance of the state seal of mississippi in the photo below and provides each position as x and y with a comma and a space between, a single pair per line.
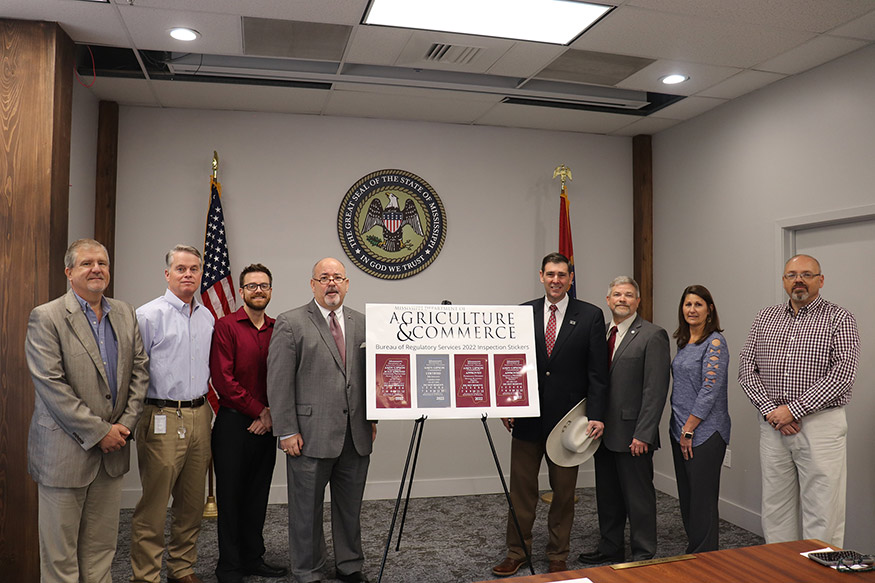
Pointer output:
391, 224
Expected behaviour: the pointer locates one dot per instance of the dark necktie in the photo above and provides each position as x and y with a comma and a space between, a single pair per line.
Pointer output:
338, 335
611, 340
550, 332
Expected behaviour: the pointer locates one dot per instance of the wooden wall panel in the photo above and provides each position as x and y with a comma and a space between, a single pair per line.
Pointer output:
105, 184
36, 63
642, 208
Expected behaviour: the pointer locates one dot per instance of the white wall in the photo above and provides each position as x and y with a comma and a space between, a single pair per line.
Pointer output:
83, 164
283, 179
722, 181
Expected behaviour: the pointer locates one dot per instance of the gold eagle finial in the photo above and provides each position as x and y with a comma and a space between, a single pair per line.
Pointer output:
563, 172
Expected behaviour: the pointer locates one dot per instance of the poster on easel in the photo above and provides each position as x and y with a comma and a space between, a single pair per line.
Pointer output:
450, 362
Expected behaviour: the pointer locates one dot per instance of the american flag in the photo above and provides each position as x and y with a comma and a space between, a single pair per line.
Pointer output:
217, 285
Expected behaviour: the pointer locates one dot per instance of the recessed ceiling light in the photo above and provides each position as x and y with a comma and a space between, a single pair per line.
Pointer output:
548, 21
185, 34
674, 79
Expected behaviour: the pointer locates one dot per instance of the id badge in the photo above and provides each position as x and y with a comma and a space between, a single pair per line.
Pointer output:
160, 424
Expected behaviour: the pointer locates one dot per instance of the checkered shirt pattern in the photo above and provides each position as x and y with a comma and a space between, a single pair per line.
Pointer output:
806, 361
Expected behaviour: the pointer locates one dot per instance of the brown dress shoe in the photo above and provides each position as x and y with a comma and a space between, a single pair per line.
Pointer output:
508, 567
557, 566
187, 579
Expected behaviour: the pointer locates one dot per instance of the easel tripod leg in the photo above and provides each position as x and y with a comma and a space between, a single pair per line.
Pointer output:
421, 422
397, 502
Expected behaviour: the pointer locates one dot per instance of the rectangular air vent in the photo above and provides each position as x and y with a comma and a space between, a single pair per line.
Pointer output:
447, 53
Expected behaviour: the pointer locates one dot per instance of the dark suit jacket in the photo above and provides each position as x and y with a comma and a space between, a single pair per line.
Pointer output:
638, 387
308, 388
577, 368
73, 409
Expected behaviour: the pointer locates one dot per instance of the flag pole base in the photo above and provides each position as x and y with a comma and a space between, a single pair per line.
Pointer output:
211, 510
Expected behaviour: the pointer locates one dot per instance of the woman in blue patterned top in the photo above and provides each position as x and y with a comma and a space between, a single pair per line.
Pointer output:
700, 416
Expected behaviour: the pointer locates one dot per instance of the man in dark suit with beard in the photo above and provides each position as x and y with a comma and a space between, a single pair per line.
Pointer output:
639, 374
572, 365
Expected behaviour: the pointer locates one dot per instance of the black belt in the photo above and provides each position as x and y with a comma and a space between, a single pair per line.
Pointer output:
167, 403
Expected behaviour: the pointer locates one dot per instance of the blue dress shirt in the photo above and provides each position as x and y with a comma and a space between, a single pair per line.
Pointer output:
177, 340
106, 340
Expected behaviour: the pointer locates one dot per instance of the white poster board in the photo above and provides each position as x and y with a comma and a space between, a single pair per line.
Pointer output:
450, 362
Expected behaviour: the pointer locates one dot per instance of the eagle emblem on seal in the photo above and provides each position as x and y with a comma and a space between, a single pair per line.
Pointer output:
392, 219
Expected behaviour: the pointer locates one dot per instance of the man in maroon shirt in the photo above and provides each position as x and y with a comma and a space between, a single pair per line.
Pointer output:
244, 450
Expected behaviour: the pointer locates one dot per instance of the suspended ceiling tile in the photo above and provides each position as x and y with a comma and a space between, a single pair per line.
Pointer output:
332, 11
134, 92
863, 27
811, 54
149, 27
646, 125
700, 77
593, 68
810, 15
239, 97
635, 31
376, 45
525, 59
688, 108
742, 83
82, 21
294, 39
548, 118
405, 106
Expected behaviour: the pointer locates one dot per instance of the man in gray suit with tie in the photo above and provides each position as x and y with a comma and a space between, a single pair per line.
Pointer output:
316, 394
639, 374
90, 373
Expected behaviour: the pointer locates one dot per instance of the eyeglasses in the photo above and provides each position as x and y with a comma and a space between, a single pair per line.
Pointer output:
807, 276
254, 286
325, 279
864, 564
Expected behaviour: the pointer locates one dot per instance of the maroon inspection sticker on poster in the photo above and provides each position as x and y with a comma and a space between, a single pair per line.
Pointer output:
472, 380
511, 389
393, 381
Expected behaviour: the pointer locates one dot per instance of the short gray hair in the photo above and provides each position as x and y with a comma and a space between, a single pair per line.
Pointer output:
168, 259
73, 251
624, 279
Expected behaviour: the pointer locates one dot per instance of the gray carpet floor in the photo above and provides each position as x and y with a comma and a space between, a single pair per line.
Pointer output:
452, 539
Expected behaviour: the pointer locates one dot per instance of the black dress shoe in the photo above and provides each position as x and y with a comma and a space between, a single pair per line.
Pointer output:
263, 569
354, 577
597, 558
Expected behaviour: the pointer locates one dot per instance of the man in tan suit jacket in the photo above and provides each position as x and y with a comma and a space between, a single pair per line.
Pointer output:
90, 373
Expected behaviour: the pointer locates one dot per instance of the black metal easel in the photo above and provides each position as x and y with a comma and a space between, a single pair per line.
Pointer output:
416, 437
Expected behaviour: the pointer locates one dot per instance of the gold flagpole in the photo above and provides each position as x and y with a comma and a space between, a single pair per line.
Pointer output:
211, 509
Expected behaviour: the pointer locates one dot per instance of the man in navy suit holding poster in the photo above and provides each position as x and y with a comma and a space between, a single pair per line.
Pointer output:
572, 357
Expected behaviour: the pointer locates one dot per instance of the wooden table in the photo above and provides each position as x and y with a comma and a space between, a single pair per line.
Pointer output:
775, 563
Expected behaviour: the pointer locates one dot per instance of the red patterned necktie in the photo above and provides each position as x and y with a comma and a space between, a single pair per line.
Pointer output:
550, 332
611, 340
338, 335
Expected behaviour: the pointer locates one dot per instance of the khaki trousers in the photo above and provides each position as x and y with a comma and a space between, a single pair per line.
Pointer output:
805, 479
170, 465
78, 530
525, 464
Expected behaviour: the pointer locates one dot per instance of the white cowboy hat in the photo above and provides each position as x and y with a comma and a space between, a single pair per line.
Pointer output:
568, 444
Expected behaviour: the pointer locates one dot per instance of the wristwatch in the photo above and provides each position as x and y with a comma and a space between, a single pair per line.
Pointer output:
687, 434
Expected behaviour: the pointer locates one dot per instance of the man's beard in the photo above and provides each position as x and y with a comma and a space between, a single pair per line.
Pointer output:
800, 294
251, 303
